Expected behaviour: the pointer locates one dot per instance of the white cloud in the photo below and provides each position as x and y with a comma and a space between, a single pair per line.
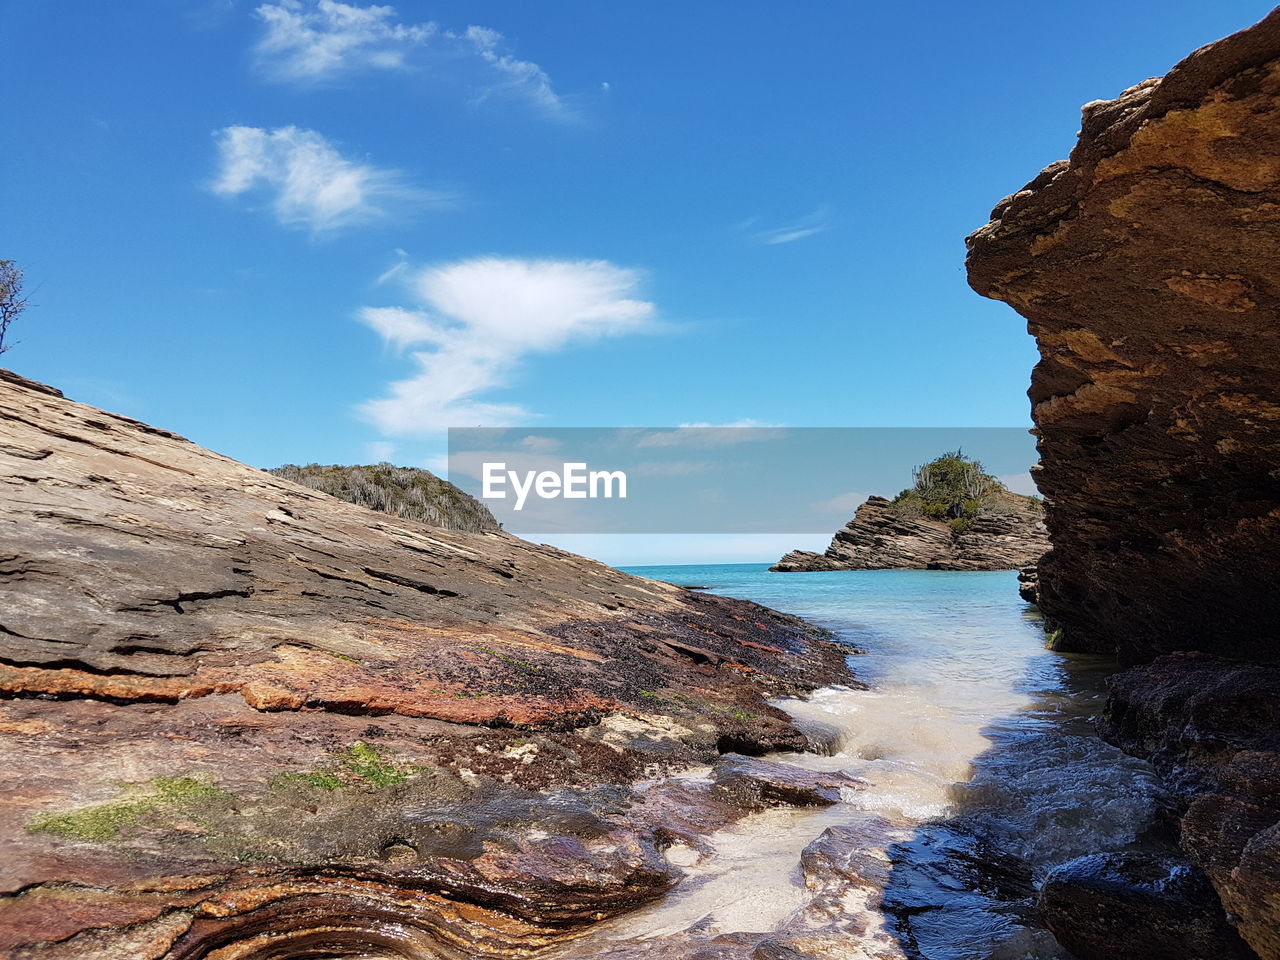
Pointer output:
312, 41
712, 435
310, 183
315, 40
437, 463
672, 468
397, 326
480, 318
396, 269
521, 77
380, 451
536, 444
807, 226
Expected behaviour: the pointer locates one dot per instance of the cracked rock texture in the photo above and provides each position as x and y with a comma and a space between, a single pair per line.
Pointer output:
1148, 268
242, 718
877, 538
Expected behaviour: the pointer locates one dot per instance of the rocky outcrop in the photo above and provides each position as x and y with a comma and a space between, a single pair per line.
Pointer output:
406, 492
1148, 268
1137, 907
242, 718
880, 538
1211, 727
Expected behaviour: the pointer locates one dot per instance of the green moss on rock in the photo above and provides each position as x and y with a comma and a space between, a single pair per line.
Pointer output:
104, 821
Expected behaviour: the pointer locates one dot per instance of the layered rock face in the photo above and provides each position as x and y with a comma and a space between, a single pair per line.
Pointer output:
1148, 268
878, 538
242, 718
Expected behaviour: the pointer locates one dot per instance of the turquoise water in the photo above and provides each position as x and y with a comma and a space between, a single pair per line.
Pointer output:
982, 772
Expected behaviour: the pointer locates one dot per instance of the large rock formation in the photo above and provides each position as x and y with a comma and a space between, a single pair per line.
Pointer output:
1148, 268
881, 538
242, 718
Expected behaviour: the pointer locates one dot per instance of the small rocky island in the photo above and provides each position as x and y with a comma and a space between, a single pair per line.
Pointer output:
955, 516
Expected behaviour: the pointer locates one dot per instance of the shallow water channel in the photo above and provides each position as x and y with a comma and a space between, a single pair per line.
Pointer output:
982, 771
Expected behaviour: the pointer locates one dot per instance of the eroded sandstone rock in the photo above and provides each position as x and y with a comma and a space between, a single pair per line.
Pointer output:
757, 784
242, 718
1148, 268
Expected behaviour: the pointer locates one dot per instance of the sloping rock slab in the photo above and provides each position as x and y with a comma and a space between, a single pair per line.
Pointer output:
1211, 727
1137, 907
242, 718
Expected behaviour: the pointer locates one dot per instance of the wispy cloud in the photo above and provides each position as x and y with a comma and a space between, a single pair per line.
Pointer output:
309, 183
314, 41
520, 77
818, 221
478, 319
711, 434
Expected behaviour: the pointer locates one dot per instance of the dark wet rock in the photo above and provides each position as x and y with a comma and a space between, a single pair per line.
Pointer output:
940, 875
1029, 584
242, 715
776, 950
1211, 727
1148, 269
752, 783
1137, 907
878, 538
838, 862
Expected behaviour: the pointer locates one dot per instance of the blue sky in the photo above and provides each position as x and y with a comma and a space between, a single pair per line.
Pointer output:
301, 231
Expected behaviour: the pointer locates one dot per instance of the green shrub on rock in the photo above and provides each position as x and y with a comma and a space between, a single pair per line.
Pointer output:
953, 488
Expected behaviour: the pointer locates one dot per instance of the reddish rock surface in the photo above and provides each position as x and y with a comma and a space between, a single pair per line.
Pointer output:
245, 719
1148, 268
877, 538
